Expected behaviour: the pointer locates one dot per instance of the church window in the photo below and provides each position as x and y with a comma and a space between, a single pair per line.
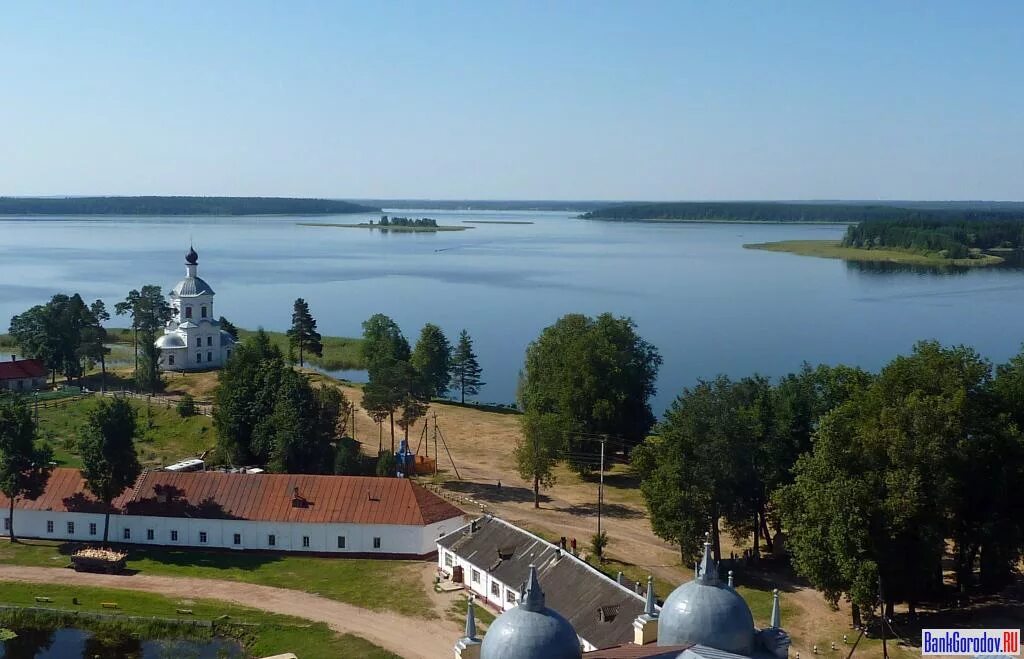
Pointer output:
202, 311
188, 312
170, 360
209, 356
199, 358
199, 342
209, 341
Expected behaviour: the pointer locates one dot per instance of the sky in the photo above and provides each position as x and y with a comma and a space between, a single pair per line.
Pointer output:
618, 100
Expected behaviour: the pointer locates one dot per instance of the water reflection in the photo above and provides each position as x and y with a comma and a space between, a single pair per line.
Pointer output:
70, 643
1011, 261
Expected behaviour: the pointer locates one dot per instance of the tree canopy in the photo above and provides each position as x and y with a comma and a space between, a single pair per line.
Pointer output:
109, 462
25, 465
149, 312
466, 370
61, 333
432, 357
302, 334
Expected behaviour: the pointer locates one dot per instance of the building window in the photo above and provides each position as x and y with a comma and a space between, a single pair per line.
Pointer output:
202, 311
149, 534
376, 543
448, 560
495, 589
170, 360
199, 342
49, 526
71, 528
341, 542
238, 538
174, 536
199, 358
209, 356
209, 341
92, 528
202, 537
188, 312
272, 540
7, 523
127, 534
476, 576
305, 541
510, 596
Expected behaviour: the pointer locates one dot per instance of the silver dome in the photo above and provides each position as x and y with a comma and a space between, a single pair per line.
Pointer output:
707, 612
170, 341
191, 287
531, 630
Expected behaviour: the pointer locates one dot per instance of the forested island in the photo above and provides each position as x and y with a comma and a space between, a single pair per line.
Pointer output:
816, 212
408, 224
178, 206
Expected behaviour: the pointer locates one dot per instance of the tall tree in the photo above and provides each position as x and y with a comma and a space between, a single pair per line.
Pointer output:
54, 333
109, 462
149, 312
466, 369
348, 459
303, 334
539, 450
228, 327
94, 339
24, 466
35, 332
597, 376
383, 342
432, 357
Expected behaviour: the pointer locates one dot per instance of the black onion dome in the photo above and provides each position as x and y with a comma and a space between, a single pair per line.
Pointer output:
191, 258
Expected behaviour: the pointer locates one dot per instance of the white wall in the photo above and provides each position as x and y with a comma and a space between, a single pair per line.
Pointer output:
288, 536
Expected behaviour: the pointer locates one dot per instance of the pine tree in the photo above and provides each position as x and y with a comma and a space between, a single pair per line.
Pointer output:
433, 359
109, 462
303, 334
466, 371
24, 466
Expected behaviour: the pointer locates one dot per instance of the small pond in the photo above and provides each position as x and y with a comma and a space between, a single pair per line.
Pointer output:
71, 643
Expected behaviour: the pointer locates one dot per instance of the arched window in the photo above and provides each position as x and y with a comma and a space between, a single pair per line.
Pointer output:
203, 311
170, 360
188, 311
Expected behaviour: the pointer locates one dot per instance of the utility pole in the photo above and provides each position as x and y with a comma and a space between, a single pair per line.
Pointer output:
600, 489
436, 455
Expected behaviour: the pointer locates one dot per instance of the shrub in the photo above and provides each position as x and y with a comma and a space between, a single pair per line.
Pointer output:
187, 406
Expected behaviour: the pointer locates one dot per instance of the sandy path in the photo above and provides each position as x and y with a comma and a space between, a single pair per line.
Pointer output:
418, 639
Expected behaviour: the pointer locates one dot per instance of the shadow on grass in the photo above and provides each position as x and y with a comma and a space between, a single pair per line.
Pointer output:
615, 510
484, 407
490, 492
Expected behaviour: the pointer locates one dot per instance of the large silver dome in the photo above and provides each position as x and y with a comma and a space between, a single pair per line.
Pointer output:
707, 612
191, 287
170, 341
531, 630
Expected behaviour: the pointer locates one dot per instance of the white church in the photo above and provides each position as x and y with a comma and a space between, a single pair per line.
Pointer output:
193, 339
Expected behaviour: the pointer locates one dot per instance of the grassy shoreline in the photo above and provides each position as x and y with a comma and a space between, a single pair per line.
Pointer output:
260, 633
388, 228
833, 249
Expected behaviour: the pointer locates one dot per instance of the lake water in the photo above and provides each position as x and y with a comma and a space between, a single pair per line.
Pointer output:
709, 305
70, 643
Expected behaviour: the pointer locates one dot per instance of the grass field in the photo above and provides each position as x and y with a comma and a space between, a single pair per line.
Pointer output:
265, 634
340, 352
165, 436
832, 249
351, 580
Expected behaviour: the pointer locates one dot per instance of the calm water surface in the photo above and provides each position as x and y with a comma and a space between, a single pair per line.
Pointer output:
70, 643
709, 305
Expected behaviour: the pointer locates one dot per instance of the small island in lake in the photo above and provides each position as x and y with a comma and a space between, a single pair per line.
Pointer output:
960, 239
399, 224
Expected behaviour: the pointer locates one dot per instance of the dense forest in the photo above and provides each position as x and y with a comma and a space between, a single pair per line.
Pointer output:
386, 221
952, 237
177, 206
757, 211
485, 204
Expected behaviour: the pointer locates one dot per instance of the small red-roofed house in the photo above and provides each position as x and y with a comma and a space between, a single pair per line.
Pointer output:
22, 374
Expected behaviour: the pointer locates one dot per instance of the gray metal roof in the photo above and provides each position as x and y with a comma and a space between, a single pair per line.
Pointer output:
572, 588
191, 287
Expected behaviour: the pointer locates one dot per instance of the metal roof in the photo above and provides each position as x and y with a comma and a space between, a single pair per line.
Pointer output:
260, 497
633, 651
17, 369
573, 588
191, 287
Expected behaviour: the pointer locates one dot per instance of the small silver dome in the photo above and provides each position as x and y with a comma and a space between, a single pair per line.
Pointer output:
707, 612
531, 630
170, 341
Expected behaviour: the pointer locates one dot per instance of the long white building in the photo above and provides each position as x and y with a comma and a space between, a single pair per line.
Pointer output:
351, 515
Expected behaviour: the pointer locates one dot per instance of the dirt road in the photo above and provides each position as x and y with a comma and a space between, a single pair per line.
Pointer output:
419, 638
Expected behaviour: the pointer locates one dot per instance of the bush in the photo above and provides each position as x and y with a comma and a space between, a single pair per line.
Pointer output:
385, 463
598, 542
187, 406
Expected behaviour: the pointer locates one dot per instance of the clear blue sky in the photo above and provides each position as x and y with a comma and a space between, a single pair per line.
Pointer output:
519, 100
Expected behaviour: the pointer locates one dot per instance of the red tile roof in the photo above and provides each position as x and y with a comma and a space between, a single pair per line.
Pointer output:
262, 497
22, 368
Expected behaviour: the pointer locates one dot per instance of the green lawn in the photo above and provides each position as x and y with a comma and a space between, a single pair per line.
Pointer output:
264, 634
369, 583
165, 437
340, 352
457, 613
832, 249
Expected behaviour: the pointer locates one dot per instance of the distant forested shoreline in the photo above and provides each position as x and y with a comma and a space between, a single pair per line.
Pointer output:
843, 213
953, 238
177, 206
